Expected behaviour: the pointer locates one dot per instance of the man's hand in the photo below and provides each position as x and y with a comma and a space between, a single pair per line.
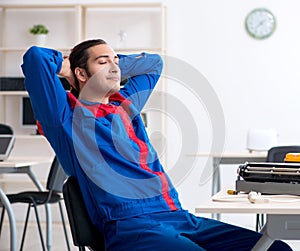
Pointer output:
66, 72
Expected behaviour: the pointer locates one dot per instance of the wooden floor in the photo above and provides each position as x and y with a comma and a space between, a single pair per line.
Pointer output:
32, 241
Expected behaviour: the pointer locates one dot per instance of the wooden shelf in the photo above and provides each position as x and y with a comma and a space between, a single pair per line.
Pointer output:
13, 93
104, 5
30, 137
128, 50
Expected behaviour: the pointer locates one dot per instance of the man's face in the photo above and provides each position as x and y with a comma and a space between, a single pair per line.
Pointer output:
104, 71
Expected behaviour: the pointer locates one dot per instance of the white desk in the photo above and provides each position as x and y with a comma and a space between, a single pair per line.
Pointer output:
23, 165
283, 219
228, 159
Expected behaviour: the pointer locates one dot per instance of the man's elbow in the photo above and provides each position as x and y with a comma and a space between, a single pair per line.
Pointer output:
159, 64
32, 55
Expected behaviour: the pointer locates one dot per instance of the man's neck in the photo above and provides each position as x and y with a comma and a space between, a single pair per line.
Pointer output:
94, 99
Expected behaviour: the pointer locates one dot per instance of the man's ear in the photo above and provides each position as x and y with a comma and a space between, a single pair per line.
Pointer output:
81, 75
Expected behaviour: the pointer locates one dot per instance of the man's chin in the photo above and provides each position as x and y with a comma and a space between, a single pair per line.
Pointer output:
114, 90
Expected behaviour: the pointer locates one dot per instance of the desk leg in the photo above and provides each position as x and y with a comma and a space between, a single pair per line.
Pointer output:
216, 182
12, 221
216, 186
264, 242
48, 211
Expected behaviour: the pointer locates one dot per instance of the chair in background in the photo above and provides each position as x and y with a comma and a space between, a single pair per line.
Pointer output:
7, 141
277, 155
6, 129
84, 233
34, 199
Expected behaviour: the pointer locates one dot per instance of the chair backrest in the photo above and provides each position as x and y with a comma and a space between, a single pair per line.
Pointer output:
6, 129
277, 154
7, 141
56, 177
84, 233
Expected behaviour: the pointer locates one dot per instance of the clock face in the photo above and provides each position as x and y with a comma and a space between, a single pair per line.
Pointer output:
260, 23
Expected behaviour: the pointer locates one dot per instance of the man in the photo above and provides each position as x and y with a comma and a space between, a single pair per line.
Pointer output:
98, 135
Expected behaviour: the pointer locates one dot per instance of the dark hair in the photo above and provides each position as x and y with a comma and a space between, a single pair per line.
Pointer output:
79, 57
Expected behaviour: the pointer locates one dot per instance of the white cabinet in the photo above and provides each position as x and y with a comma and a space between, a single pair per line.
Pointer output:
129, 28
126, 27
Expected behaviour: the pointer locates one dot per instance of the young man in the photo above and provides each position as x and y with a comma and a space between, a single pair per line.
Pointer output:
100, 139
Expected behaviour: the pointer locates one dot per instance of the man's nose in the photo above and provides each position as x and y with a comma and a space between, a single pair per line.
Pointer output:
114, 68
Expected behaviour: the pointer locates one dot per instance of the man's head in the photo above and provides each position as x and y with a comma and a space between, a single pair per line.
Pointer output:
95, 67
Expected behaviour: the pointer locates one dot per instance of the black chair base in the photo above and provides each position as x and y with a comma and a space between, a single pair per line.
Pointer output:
84, 233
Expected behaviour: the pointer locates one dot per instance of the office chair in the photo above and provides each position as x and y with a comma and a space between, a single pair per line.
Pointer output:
34, 199
6, 129
84, 233
277, 155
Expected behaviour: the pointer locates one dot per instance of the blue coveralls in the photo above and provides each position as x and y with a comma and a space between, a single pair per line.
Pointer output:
128, 195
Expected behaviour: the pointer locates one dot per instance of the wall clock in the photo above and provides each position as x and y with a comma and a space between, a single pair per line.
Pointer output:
260, 23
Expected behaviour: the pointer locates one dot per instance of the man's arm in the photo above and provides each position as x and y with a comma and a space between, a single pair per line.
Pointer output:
66, 72
49, 100
139, 64
143, 71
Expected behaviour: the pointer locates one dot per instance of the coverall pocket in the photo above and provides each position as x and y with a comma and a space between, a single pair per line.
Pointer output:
132, 230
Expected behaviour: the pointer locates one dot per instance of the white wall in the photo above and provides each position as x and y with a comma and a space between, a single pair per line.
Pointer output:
257, 82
